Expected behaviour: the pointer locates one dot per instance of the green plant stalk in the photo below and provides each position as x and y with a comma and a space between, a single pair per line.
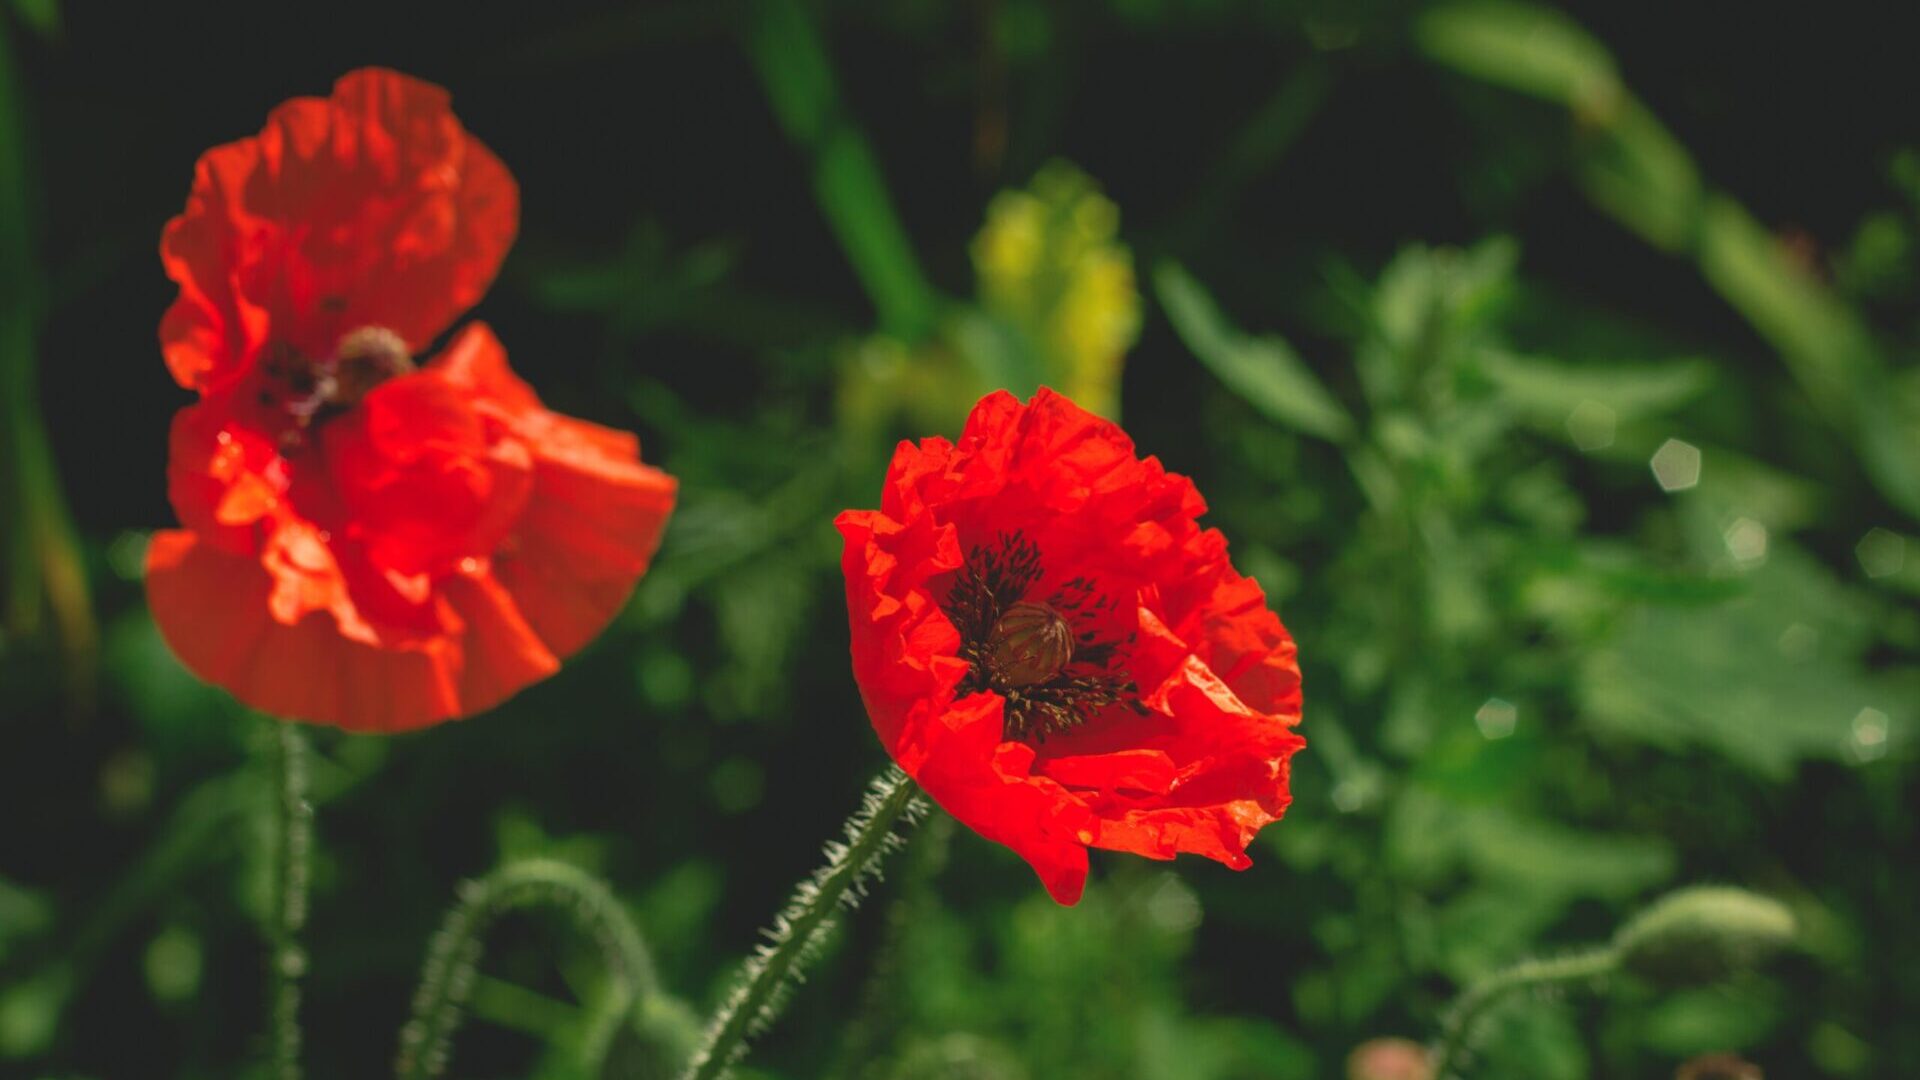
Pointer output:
792, 61
1474, 1002
293, 849
803, 925
447, 980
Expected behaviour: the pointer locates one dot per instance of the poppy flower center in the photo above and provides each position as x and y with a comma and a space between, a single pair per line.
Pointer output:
308, 390
1030, 643
1051, 676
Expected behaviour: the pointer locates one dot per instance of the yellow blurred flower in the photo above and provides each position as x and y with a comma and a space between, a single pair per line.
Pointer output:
1050, 263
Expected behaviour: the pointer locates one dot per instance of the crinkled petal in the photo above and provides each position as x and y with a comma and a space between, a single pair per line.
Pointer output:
593, 518
374, 620
1198, 767
214, 609
988, 784
373, 207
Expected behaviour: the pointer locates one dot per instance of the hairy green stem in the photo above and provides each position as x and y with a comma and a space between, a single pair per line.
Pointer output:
453, 959
293, 846
1473, 1003
803, 925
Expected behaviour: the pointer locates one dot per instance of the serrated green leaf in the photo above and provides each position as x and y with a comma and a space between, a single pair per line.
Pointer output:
1765, 679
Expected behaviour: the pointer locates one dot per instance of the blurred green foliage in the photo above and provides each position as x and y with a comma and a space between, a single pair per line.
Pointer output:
1591, 492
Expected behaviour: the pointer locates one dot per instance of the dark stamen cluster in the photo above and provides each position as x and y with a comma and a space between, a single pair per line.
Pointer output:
310, 390
996, 578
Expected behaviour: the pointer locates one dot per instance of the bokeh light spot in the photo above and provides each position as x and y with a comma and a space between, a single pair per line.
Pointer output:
1882, 552
1496, 718
1676, 465
1868, 740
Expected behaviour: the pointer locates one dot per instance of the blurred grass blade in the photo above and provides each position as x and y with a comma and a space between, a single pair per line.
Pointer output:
1264, 371
1637, 172
1533, 50
1825, 342
42, 563
793, 64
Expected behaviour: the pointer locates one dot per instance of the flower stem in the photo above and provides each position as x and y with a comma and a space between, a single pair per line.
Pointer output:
286, 961
807, 919
1472, 1004
454, 958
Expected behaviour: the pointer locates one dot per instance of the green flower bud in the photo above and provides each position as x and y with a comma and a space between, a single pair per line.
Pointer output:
1703, 935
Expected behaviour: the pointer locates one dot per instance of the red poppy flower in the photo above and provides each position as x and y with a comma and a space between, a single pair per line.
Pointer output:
1049, 643
370, 543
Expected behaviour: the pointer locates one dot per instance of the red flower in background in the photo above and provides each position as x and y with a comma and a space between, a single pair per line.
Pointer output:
1048, 642
370, 543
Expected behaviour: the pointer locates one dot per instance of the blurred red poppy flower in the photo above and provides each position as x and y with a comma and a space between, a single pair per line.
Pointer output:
1048, 642
368, 542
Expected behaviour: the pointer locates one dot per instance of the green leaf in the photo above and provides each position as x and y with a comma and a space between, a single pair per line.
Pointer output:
1766, 679
1689, 1022
24, 914
1430, 835
1533, 1040
1264, 371
1550, 391
1428, 298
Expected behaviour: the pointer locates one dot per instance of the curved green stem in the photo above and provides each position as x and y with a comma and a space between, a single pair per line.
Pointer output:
807, 920
286, 962
454, 957
1473, 1003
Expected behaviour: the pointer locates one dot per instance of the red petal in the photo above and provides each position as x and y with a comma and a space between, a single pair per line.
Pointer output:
588, 533
371, 208
423, 480
212, 608
595, 515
